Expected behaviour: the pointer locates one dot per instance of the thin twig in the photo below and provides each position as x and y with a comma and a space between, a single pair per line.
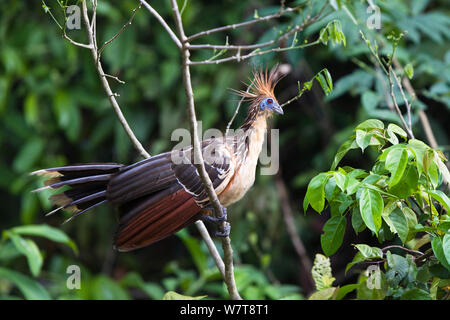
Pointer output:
163, 23
388, 101
242, 24
405, 100
397, 108
78, 44
238, 57
422, 115
120, 31
414, 252
114, 77
211, 247
198, 158
111, 96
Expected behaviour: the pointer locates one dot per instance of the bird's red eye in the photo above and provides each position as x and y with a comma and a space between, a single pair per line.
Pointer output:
269, 101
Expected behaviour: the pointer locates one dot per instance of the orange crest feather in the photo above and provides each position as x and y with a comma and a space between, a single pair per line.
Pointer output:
263, 84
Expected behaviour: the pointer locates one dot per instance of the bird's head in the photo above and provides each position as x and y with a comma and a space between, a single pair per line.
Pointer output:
261, 94
270, 104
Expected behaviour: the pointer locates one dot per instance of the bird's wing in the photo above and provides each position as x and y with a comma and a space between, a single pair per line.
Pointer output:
220, 163
171, 193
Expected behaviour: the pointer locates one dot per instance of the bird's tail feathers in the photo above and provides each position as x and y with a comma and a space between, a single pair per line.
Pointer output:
87, 182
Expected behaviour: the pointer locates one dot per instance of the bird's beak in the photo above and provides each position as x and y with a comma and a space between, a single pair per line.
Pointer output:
277, 109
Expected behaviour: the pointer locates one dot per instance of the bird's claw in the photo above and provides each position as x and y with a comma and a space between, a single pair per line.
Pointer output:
212, 218
218, 220
225, 232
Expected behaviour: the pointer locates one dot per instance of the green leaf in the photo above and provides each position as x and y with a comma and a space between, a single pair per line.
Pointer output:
370, 124
398, 265
343, 149
364, 253
325, 294
356, 259
442, 167
440, 197
415, 294
393, 129
325, 81
410, 216
407, 184
438, 249
400, 223
396, 161
371, 207
344, 290
352, 185
333, 235
409, 70
363, 139
446, 246
340, 179
418, 148
134, 280
172, 295
305, 204
332, 31
28, 248
29, 154
370, 100
316, 192
357, 221
369, 252
30, 288
365, 293
198, 255
48, 232
104, 288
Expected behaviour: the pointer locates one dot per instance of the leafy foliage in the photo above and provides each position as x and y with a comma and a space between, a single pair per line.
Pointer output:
397, 196
53, 112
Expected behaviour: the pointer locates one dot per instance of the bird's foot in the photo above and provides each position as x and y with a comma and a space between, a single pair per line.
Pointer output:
225, 232
212, 218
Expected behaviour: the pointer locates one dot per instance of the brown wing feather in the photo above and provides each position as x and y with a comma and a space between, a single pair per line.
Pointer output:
157, 221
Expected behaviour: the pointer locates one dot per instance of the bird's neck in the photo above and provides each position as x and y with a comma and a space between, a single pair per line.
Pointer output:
254, 132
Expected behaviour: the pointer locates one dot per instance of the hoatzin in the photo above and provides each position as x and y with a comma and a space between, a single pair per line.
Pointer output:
158, 196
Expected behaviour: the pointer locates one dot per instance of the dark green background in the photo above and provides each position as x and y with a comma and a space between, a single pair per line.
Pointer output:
53, 111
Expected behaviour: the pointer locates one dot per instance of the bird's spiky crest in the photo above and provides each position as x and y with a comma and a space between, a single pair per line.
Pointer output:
262, 85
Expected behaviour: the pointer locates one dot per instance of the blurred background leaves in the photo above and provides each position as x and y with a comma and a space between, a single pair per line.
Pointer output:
54, 112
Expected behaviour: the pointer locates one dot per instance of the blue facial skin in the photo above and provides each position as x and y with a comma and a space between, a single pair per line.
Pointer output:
270, 104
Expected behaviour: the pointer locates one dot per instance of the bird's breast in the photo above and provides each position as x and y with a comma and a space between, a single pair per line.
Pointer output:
244, 176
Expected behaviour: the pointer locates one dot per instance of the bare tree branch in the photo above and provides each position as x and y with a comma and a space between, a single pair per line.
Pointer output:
394, 100
256, 52
242, 24
78, 44
422, 115
120, 31
211, 247
90, 26
163, 23
92, 45
198, 158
